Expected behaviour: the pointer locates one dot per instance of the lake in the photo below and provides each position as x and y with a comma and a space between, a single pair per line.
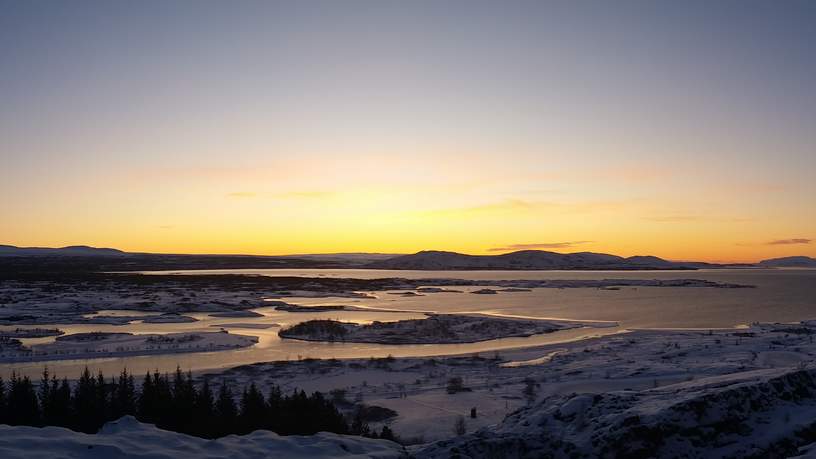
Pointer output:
780, 296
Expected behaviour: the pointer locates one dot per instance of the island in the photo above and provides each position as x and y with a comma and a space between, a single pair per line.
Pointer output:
434, 329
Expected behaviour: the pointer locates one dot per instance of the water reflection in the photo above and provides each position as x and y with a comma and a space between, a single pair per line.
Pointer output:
781, 296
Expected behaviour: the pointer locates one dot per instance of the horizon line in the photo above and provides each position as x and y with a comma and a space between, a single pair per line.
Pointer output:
233, 254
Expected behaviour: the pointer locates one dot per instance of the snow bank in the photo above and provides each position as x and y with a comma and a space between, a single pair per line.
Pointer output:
128, 438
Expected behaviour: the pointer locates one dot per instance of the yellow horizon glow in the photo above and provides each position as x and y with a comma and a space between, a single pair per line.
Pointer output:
454, 208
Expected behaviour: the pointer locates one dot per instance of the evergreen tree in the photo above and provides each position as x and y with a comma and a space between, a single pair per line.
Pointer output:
45, 396
226, 413
85, 403
326, 416
164, 400
101, 402
184, 395
253, 410
23, 407
123, 396
274, 405
3, 403
147, 401
203, 412
170, 403
61, 403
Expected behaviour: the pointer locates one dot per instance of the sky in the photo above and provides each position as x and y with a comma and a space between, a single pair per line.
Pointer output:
685, 130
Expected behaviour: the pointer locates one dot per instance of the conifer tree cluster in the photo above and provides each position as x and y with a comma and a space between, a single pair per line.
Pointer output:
172, 403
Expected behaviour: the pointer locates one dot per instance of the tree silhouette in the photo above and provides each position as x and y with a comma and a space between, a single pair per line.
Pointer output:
172, 403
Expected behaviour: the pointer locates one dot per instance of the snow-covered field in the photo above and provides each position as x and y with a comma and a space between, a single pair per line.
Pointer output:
645, 368
748, 392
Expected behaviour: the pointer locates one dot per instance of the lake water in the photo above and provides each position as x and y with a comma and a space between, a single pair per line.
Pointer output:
780, 296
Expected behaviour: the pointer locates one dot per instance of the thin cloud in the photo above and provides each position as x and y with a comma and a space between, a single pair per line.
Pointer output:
242, 194
789, 241
543, 245
286, 195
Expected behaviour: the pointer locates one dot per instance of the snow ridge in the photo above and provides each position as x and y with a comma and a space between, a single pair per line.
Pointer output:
129, 438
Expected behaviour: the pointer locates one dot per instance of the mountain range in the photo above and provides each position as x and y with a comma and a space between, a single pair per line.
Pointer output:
526, 260
425, 260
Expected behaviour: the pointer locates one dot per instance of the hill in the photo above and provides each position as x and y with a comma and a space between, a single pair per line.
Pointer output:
525, 260
789, 262
73, 251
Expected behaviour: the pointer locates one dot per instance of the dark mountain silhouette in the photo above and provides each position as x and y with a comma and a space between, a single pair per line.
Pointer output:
86, 258
74, 251
525, 259
789, 262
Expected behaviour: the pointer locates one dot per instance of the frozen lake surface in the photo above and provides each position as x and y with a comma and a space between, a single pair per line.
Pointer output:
780, 296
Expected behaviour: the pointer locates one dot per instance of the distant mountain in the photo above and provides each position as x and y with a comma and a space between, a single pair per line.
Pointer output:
649, 260
96, 258
524, 260
74, 251
789, 262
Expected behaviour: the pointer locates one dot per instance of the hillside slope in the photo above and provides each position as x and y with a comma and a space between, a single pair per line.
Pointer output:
763, 413
523, 260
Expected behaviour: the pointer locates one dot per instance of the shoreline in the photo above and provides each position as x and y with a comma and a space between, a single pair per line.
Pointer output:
99, 356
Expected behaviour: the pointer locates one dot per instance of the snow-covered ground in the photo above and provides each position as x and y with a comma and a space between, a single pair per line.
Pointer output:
670, 393
97, 345
748, 392
24, 303
499, 383
757, 413
128, 438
